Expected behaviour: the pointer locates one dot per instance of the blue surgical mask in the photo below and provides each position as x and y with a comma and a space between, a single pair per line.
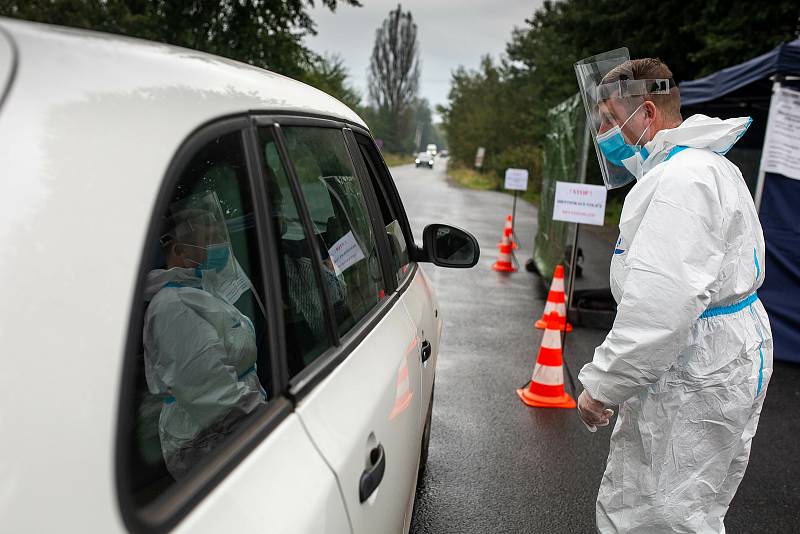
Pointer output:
614, 147
216, 257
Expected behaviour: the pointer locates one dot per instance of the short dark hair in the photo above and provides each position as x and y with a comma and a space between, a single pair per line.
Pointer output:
649, 69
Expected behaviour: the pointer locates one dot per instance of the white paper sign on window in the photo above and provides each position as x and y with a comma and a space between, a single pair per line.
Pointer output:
345, 253
782, 143
580, 203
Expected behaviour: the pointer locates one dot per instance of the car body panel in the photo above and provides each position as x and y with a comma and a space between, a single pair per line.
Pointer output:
384, 367
282, 486
421, 304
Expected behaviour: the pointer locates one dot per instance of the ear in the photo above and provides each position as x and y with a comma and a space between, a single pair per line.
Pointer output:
650, 109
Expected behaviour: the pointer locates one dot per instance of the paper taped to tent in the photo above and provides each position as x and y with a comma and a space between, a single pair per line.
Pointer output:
766, 88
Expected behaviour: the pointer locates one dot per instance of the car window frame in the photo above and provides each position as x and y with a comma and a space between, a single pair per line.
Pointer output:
304, 382
376, 216
386, 182
177, 501
305, 218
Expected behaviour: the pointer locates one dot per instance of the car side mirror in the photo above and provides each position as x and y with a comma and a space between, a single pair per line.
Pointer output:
447, 246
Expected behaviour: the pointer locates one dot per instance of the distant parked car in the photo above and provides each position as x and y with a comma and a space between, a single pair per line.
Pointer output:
444, 153
424, 159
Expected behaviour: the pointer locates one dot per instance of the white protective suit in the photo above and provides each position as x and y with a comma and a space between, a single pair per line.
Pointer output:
200, 358
689, 356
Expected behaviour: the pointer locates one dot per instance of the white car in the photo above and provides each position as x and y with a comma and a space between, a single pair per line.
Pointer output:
213, 317
424, 159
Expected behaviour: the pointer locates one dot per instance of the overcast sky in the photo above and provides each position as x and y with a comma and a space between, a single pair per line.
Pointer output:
450, 33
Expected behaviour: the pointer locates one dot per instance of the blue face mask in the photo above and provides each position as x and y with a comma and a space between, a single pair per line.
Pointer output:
615, 149
216, 257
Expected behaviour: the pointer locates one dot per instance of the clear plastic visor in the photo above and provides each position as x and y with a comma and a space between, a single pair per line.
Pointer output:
196, 221
610, 103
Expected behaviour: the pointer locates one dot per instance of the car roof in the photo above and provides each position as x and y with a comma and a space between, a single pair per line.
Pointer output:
89, 128
141, 65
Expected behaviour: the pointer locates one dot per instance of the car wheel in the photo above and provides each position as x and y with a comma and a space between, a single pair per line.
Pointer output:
426, 440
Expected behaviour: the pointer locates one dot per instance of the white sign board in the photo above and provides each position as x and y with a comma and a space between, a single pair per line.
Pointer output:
781, 153
517, 179
479, 155
580, 203
345, 253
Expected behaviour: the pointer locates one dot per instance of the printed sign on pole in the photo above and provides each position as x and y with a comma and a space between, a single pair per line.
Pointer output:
479, 157
517, 179
781, 152
580, 203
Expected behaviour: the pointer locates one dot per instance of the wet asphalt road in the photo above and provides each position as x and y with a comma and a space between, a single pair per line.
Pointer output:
497, 466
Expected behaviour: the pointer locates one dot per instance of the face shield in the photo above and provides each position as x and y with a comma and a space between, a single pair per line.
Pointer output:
196, 228
612, 99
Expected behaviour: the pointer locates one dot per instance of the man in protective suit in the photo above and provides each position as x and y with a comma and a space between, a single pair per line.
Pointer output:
689, 357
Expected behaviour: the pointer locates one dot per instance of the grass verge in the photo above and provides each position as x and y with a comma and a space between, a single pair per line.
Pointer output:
473, 179
396, 159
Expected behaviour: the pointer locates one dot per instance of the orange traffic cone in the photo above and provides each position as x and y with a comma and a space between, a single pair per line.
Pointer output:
546, 389
508, 234
555, 303
503, 263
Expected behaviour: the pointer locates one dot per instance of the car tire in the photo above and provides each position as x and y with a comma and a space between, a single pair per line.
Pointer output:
426, 440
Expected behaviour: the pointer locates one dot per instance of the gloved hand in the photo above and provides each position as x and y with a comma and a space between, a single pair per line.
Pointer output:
593, 412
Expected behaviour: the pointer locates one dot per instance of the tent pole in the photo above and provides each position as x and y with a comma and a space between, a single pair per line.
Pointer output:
762, 175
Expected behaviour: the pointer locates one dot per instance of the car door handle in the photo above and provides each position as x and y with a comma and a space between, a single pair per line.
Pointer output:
372, 476
426, 350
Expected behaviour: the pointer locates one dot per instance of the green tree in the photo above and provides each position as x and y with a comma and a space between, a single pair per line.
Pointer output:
394, 76
265, 33
503, 107
485, 109
694, 39
329, 74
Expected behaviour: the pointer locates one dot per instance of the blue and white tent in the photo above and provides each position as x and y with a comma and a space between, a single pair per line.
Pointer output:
746, 89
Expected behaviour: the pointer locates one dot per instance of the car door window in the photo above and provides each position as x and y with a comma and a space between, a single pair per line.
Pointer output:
304, 304
340, 219
203, 366
391, 211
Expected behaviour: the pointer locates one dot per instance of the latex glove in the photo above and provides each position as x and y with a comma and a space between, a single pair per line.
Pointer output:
593, 412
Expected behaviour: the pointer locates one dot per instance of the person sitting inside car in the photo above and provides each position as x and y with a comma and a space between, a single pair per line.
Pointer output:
199, 349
